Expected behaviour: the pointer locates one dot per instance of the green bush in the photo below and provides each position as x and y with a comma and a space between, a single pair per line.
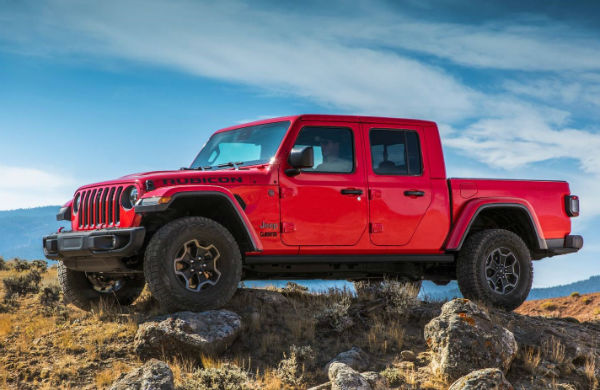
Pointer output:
291, 369
336, 315
20, 265
226, 377
27, 283
50, 295
393, 376
40, 265
3, 265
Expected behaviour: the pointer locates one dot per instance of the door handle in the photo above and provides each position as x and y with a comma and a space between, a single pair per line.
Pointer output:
351, 191
414, 193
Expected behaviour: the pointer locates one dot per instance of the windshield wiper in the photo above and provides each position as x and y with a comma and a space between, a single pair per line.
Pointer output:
231, 164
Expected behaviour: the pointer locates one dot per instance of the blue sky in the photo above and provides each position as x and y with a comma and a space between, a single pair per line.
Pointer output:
94, 90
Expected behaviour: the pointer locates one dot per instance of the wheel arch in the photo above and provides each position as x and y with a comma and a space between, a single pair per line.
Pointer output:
216, 205
516, 217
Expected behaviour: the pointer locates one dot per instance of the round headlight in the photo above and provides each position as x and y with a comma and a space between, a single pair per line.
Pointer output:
76, 203
130, 196
133, 196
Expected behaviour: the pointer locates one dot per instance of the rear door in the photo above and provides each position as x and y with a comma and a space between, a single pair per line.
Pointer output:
399, 186
327, 204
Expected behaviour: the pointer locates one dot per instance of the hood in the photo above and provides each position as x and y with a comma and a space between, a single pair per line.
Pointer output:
265, 174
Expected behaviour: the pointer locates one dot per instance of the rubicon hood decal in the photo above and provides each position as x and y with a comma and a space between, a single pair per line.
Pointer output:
201, 180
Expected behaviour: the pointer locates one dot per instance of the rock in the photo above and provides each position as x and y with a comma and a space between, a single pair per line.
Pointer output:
356, 358
409, 356
187, 333
343, 377
464, 338
375, 380
154, 375
486, 379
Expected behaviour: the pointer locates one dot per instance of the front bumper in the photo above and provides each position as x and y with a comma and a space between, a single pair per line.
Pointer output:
562, 246
95, 251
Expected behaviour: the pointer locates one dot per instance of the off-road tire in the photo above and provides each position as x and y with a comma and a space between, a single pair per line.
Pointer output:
79, 291
161, 252
470, 268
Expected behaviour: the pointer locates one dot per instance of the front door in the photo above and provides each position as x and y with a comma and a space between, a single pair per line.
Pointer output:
399, 186
326, 204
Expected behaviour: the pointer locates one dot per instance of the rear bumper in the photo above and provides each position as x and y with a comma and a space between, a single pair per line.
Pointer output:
97, 250
562, 246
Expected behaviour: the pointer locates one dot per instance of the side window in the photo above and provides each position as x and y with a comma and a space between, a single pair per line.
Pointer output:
333, 148
395, 152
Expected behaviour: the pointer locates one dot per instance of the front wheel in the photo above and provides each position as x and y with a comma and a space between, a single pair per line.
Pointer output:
87, 289
494, 267
192, 263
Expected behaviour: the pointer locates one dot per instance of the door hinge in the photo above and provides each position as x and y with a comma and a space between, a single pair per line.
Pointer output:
374, 194
287, 227
376, 227
286, 192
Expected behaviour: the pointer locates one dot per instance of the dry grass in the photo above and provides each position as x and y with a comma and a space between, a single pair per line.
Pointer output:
6, 323
107, 376
532, 359
554, 350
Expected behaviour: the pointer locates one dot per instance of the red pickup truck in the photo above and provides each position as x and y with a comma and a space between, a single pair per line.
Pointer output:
309, 196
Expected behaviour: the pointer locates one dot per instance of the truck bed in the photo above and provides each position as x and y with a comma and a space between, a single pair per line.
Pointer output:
544, 198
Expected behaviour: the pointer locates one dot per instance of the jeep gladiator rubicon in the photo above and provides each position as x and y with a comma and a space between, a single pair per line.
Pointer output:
309, 196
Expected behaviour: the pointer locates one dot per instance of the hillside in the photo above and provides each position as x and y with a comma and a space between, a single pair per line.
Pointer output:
21, 231
284, 339
583, 307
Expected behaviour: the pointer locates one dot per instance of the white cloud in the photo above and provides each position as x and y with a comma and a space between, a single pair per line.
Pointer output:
359, 62
29, 187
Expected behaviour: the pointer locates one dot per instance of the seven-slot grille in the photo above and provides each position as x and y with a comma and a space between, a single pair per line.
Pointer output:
100, 207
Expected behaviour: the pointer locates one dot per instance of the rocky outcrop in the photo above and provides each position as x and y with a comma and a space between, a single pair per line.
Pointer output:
355, 358
344, 377
486, 379
154, 375
187, 333
463, 338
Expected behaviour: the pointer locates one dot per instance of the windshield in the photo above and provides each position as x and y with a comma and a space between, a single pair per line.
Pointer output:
250, 145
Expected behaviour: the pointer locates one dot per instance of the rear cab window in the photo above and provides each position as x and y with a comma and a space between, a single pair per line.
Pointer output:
395, 152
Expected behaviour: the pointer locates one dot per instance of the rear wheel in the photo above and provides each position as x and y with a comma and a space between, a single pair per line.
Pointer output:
87, 289
192, 263
494, 267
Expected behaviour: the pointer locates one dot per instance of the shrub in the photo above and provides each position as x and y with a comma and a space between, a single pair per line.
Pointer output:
393, 376
587, 300
225, 377
575, 294
292, 287
50, 295
397, 296
22, 284
20, 265
336, 316
3, 265
549, 306
291, 369
40, 265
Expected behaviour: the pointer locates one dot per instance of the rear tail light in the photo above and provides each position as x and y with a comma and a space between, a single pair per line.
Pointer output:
572, 205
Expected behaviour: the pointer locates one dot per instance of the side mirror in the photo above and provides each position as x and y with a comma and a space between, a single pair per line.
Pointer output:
300, 158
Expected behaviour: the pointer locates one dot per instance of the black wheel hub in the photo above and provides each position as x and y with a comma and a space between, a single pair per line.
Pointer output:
502, 271
196, 265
